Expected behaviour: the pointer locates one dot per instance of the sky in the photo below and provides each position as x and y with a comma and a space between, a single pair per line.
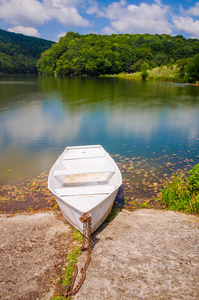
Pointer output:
51, 19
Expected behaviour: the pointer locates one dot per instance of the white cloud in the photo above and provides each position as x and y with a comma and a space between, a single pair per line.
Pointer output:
109, 30
143, 18
25, 30
187, 24
94, 9
194, 11
187, 20
120, 16
32, 12
65, 12
20, 12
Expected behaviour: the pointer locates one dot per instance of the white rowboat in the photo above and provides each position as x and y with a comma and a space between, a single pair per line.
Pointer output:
85, 179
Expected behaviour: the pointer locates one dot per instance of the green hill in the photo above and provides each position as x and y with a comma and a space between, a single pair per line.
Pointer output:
94, 54
19, 53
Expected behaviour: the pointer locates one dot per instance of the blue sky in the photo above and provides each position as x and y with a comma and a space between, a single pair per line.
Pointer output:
51, 19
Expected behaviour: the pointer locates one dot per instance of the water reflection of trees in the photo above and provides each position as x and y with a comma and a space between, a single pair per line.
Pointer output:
110, 92
91, 93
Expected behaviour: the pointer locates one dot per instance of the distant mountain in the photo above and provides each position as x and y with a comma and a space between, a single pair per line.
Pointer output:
19, 53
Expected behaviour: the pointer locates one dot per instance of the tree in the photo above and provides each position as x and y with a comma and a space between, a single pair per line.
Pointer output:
182, 64
160, 59
193, 68
144, 74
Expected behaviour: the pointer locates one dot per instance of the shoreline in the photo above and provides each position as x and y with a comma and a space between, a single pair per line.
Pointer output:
143, 179
162, 73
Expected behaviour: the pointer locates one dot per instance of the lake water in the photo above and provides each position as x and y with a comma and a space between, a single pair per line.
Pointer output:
154, 125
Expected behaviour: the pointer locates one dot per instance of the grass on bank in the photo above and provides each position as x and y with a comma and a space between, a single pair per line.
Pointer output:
67, 270
170, 73
182, 193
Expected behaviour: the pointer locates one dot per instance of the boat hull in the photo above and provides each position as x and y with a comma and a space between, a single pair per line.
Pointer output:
98, 213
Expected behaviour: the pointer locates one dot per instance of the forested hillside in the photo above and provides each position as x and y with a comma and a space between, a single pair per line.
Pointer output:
20, 53
94, 54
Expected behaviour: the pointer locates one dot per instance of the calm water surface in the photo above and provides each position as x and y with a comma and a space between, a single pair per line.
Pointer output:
39, 117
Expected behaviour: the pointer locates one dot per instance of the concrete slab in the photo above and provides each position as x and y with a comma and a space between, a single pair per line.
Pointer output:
31, 246
145, 254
